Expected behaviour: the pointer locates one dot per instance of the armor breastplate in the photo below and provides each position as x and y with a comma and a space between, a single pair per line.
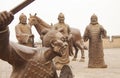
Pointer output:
94, 32
38, 68
65, 29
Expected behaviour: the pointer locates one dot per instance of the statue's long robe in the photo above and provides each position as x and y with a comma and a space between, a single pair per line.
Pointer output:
94, 34
27, 62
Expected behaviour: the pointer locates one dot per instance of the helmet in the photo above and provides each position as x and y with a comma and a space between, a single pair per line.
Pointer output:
94, 19
22, 16
61, 15
94, 16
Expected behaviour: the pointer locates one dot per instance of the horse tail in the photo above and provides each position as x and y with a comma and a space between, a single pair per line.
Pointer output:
66, 72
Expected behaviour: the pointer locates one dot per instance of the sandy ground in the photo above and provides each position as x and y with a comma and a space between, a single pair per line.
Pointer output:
80, 70
112, 59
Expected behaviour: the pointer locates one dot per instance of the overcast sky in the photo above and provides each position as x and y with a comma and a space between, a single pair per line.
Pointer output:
77, 13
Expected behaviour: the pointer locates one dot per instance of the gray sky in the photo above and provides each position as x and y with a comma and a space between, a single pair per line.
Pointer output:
77, 13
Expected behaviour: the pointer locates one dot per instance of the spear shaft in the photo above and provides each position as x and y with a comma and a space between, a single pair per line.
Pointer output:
21, 6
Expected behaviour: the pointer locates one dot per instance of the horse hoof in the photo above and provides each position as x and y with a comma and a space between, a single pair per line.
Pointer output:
82, 60
74, 59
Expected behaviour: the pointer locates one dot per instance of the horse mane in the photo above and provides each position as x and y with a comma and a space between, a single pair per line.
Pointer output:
43, 23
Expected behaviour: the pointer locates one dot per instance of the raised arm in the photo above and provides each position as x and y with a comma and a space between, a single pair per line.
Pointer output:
5, 19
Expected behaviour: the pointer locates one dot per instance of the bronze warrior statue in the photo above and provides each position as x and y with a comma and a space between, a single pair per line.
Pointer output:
28, 62
94, 33
65, 30
23, 32
74, 37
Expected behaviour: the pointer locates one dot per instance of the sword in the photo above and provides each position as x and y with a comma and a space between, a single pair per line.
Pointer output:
21, 6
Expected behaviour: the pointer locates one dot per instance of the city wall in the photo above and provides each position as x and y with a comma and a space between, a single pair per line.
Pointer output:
113, 42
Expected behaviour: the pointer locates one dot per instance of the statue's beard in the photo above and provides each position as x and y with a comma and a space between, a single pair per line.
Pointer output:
23, 23
61, 21
94, 22
61, 51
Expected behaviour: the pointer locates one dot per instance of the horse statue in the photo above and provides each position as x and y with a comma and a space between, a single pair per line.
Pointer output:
42, 27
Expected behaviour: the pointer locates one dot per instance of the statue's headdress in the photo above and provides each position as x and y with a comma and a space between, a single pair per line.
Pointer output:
21, 16
61, 15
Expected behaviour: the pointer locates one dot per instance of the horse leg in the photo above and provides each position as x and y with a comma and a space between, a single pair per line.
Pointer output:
82, 51
70, 43
76, 52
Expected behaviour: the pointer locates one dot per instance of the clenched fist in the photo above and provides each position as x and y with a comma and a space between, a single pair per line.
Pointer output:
5, 19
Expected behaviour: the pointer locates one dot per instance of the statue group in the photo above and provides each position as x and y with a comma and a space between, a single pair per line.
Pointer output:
57, 41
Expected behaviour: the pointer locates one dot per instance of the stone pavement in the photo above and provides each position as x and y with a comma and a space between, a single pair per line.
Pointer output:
80, 70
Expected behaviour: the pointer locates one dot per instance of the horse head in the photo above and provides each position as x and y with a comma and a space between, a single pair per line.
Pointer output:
38, 23
33, 19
